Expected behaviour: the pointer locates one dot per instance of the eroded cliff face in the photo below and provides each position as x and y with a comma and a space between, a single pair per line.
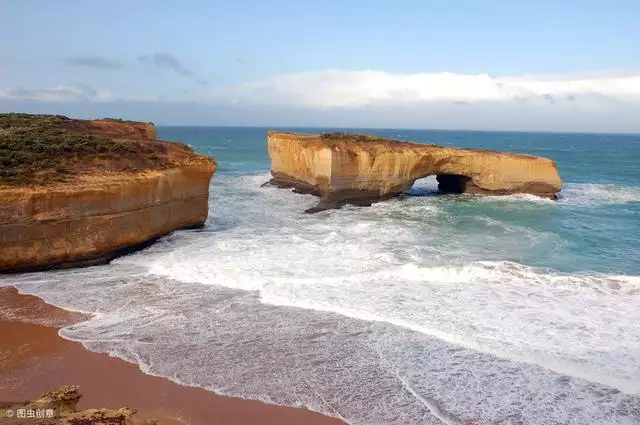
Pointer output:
103, 211
354, 169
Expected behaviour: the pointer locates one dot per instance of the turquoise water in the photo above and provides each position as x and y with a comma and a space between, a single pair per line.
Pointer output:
426, 309
597, 222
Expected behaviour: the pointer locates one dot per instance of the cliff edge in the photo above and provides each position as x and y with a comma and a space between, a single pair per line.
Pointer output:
356, 169
80, 192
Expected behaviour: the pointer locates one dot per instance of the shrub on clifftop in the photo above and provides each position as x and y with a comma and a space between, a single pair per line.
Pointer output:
46, 148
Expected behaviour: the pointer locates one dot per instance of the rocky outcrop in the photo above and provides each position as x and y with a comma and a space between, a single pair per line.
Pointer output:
60, 407
104, 207
65, 399
345, 168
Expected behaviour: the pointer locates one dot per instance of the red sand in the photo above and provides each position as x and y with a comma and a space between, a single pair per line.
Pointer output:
34, 359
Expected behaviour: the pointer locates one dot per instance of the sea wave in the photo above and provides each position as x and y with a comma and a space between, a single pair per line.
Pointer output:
571, 194
518, 312
231, 343
527, 314
595, 193
500, 271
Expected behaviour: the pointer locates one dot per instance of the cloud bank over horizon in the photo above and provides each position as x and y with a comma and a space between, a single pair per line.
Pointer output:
355, 89
598, 101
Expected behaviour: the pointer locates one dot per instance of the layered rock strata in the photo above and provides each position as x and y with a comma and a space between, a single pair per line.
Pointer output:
345, 168
104, 205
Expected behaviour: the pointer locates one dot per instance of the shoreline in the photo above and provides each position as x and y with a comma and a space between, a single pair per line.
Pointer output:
34, 359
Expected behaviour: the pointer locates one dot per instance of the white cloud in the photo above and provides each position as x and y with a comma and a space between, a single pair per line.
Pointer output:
356, 89
624, 88
607, 101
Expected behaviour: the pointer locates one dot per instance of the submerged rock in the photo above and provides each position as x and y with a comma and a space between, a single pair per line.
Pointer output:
344, 168
78, 193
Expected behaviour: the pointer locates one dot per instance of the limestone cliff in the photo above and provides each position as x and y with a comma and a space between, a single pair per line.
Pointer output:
345, 168
103, 204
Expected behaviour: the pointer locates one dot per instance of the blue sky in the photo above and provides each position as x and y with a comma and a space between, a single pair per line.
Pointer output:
318, 63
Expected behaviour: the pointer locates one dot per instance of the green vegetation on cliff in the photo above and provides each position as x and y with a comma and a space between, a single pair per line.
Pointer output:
353, 137
47, 148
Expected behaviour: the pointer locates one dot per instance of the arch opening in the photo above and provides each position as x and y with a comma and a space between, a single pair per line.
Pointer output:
453, 183
437, 184
425, 186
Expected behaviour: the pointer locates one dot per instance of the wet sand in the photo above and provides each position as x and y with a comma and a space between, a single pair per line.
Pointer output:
34, 359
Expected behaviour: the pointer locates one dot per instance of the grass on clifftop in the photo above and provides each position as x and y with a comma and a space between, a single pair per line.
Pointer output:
41, 149
353, 137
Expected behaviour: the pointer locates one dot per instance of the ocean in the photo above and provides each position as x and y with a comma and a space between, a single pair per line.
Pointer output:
424, 309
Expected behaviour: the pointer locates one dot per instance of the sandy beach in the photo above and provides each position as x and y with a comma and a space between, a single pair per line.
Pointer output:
34, 359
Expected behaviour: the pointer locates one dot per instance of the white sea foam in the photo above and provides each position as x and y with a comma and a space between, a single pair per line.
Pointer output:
404, 313
366, 265
571, 194
594, 194
367, 372
587, 194
572, 324
518, 197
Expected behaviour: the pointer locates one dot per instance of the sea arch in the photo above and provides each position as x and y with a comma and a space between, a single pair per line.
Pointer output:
344, 168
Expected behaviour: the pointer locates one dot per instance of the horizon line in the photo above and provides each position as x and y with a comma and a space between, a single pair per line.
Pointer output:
603, 133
